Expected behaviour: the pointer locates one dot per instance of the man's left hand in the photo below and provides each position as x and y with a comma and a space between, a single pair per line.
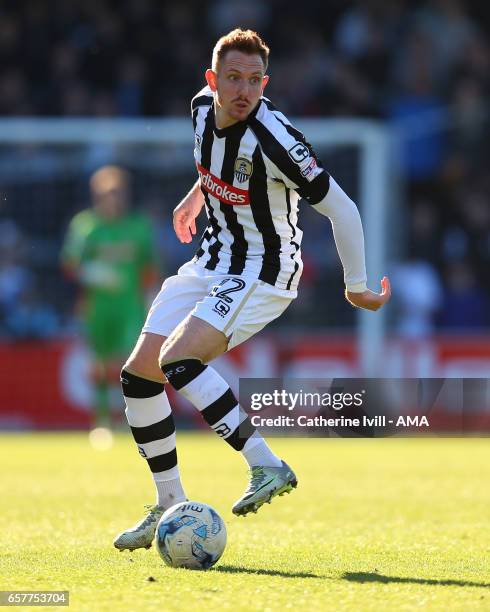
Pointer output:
369, 299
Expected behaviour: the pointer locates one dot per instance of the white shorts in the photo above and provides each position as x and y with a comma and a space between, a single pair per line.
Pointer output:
237, 305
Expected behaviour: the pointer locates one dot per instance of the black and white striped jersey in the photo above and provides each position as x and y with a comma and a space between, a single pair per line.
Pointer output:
252, 175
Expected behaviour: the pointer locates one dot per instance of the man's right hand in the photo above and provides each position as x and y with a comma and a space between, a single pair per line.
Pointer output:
186, 213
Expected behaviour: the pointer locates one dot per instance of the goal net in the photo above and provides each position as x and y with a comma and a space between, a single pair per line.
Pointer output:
44, 169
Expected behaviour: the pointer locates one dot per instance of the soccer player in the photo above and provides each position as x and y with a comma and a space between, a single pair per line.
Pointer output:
108, 250
253, 166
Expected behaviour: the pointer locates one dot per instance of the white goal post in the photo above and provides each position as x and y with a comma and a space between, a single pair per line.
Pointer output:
373, 178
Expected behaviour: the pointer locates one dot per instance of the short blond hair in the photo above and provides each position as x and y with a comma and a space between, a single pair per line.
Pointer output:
109, 177
246, 41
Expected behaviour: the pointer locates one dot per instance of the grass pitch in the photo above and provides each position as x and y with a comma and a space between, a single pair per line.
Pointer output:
386, 524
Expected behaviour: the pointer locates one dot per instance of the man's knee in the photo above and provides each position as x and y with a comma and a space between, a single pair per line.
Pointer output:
180, 372
172, 353
138, 387
143, 361
195, 342
168, 354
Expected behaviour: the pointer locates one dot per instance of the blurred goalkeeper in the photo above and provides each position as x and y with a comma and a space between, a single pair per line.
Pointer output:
253, 166
108, 250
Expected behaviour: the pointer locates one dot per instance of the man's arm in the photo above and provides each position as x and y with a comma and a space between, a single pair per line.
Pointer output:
295, 163
349, 239
186, 213
73, 249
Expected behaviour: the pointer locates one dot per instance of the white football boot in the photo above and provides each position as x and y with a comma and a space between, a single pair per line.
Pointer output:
265, 483
142, 534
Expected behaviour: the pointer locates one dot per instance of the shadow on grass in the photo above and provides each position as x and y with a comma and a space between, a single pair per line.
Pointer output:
373, 577
236, 569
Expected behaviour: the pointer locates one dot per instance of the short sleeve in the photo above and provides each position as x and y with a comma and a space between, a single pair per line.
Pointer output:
74, 247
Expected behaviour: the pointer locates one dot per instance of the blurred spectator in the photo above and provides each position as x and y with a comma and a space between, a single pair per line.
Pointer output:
32, 318
121, 51
14, 274
424, 66
365, 35
130, 88
465, 304
417, 111
418, 294
14, 99
469, 142
23, 314
451, 31
224, 15
424, 237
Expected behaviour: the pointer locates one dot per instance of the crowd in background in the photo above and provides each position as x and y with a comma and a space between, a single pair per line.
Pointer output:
422, 67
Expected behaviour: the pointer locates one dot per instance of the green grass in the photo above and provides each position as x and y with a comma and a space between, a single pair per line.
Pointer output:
386, 524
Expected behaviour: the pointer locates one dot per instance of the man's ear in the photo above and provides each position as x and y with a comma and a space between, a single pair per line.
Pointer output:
265, 80
211, 78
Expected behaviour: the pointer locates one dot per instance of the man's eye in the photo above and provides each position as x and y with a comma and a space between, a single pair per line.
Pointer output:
255, 80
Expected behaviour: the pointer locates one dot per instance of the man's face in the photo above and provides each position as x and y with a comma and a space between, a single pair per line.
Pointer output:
111, 201
238, 84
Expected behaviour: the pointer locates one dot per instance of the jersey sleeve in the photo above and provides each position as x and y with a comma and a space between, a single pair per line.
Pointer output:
74, 248
290, 158
202, 98
348, 234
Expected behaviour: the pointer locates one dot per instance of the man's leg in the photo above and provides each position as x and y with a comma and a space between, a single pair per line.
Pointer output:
182, 359
101, 413
150, 418
99, 338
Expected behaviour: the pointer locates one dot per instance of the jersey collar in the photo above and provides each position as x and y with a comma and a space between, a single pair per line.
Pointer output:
236, 127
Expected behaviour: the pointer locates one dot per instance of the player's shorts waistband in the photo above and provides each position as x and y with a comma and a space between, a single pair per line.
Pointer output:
250, 271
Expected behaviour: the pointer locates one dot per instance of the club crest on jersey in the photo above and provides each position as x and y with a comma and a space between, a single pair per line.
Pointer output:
243, 169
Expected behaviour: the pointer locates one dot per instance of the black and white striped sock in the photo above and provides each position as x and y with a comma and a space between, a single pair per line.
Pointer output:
152, 425
214, 399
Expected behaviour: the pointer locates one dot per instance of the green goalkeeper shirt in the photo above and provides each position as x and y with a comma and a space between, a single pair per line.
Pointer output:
109, 257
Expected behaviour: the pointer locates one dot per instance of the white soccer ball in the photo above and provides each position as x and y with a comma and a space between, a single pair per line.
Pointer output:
191, 535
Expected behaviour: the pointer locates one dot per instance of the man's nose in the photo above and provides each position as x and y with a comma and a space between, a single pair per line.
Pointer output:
242, 88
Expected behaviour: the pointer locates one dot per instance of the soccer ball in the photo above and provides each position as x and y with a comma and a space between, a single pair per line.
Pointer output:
191, 535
